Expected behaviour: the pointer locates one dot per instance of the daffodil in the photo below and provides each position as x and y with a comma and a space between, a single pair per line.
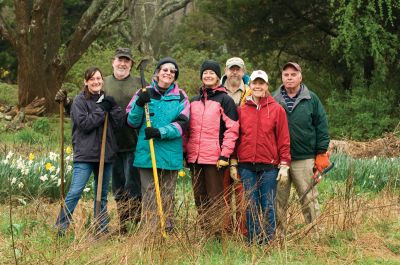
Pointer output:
53, 156
13, 181
31, 157
68, 150
43, 178
9, 155
48, 166
181, 173
20, 185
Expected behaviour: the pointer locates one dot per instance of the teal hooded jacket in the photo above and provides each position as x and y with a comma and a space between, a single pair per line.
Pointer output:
169, 112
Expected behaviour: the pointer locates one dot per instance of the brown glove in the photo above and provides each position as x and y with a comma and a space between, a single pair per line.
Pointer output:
62, 96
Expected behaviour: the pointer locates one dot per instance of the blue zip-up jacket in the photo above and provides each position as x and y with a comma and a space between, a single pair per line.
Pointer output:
169, 112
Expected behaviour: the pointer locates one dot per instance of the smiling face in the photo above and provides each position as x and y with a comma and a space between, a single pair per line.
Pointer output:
166, 75
291, 79
121, 67
94, 83
259, 88
209, 78
234, 75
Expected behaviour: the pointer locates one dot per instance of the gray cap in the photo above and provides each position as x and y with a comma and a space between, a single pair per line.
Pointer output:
235, 61
124, 52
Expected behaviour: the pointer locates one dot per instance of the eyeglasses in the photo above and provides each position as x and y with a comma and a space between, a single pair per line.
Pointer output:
172, 71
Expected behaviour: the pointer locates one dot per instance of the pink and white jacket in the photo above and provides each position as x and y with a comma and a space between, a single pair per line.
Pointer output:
213, 126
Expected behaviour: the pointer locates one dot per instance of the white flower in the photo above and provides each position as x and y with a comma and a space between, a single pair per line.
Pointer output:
52, 169
68, 158
20, 185
13, 181
371, 177
58, 170
69, 168
58, 182
86, 189
53, 156
5, 161
374, 158
44, 178
9, 155
25, 171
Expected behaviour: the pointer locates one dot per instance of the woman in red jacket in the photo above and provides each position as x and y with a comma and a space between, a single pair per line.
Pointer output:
263, 147
213, 131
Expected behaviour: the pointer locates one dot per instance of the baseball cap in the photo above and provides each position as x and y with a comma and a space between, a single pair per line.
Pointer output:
292, 64
124, 52
259, 74
235, 61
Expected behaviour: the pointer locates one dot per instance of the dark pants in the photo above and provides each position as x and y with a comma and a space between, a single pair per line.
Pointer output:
208, 188
126, 187
167, 184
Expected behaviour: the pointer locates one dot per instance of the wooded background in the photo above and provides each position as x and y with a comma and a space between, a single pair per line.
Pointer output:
349, 50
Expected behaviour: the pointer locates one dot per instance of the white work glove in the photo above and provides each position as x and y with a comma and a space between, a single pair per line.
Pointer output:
233, 170
283, 175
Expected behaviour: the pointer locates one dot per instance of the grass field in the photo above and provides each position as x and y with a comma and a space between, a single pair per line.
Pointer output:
358, 225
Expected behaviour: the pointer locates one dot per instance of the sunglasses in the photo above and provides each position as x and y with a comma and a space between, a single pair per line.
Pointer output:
172, 71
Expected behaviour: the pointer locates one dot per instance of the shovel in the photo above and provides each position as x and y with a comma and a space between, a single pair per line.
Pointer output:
62, 194
141, 66
101, 167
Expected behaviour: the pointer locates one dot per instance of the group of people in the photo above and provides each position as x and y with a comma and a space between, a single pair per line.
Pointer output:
237, 139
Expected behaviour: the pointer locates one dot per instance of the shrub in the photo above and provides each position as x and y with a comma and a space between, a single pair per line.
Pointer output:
41, 125
361, 113
28, 136
9, 94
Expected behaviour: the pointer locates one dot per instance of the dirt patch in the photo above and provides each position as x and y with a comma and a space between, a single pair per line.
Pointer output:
388, 146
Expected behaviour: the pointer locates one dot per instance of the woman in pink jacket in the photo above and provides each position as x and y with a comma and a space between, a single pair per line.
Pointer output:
262, 148
212, 134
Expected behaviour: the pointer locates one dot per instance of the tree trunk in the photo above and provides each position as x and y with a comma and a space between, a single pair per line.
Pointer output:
37, 78
36, 37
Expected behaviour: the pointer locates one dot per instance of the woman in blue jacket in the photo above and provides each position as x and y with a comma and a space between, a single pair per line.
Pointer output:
169, 115
88, 112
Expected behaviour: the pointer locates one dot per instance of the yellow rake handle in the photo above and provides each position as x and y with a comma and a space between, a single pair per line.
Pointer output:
155, 173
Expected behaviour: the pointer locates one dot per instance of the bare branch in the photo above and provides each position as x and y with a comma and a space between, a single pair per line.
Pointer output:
6, 32
91, 25
166, 9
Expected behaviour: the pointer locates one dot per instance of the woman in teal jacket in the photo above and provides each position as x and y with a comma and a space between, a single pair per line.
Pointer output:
169, 115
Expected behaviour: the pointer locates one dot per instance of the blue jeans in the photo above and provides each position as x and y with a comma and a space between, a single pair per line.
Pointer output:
80, 177
260, 190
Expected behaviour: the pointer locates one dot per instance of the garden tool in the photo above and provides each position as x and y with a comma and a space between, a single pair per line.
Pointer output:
141, 67
101, 166
62, 195
317, 177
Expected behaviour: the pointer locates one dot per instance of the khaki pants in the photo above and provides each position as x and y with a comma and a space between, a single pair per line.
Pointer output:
300, 174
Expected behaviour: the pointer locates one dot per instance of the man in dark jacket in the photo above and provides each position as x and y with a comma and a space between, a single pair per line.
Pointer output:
125, 178
309, 141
